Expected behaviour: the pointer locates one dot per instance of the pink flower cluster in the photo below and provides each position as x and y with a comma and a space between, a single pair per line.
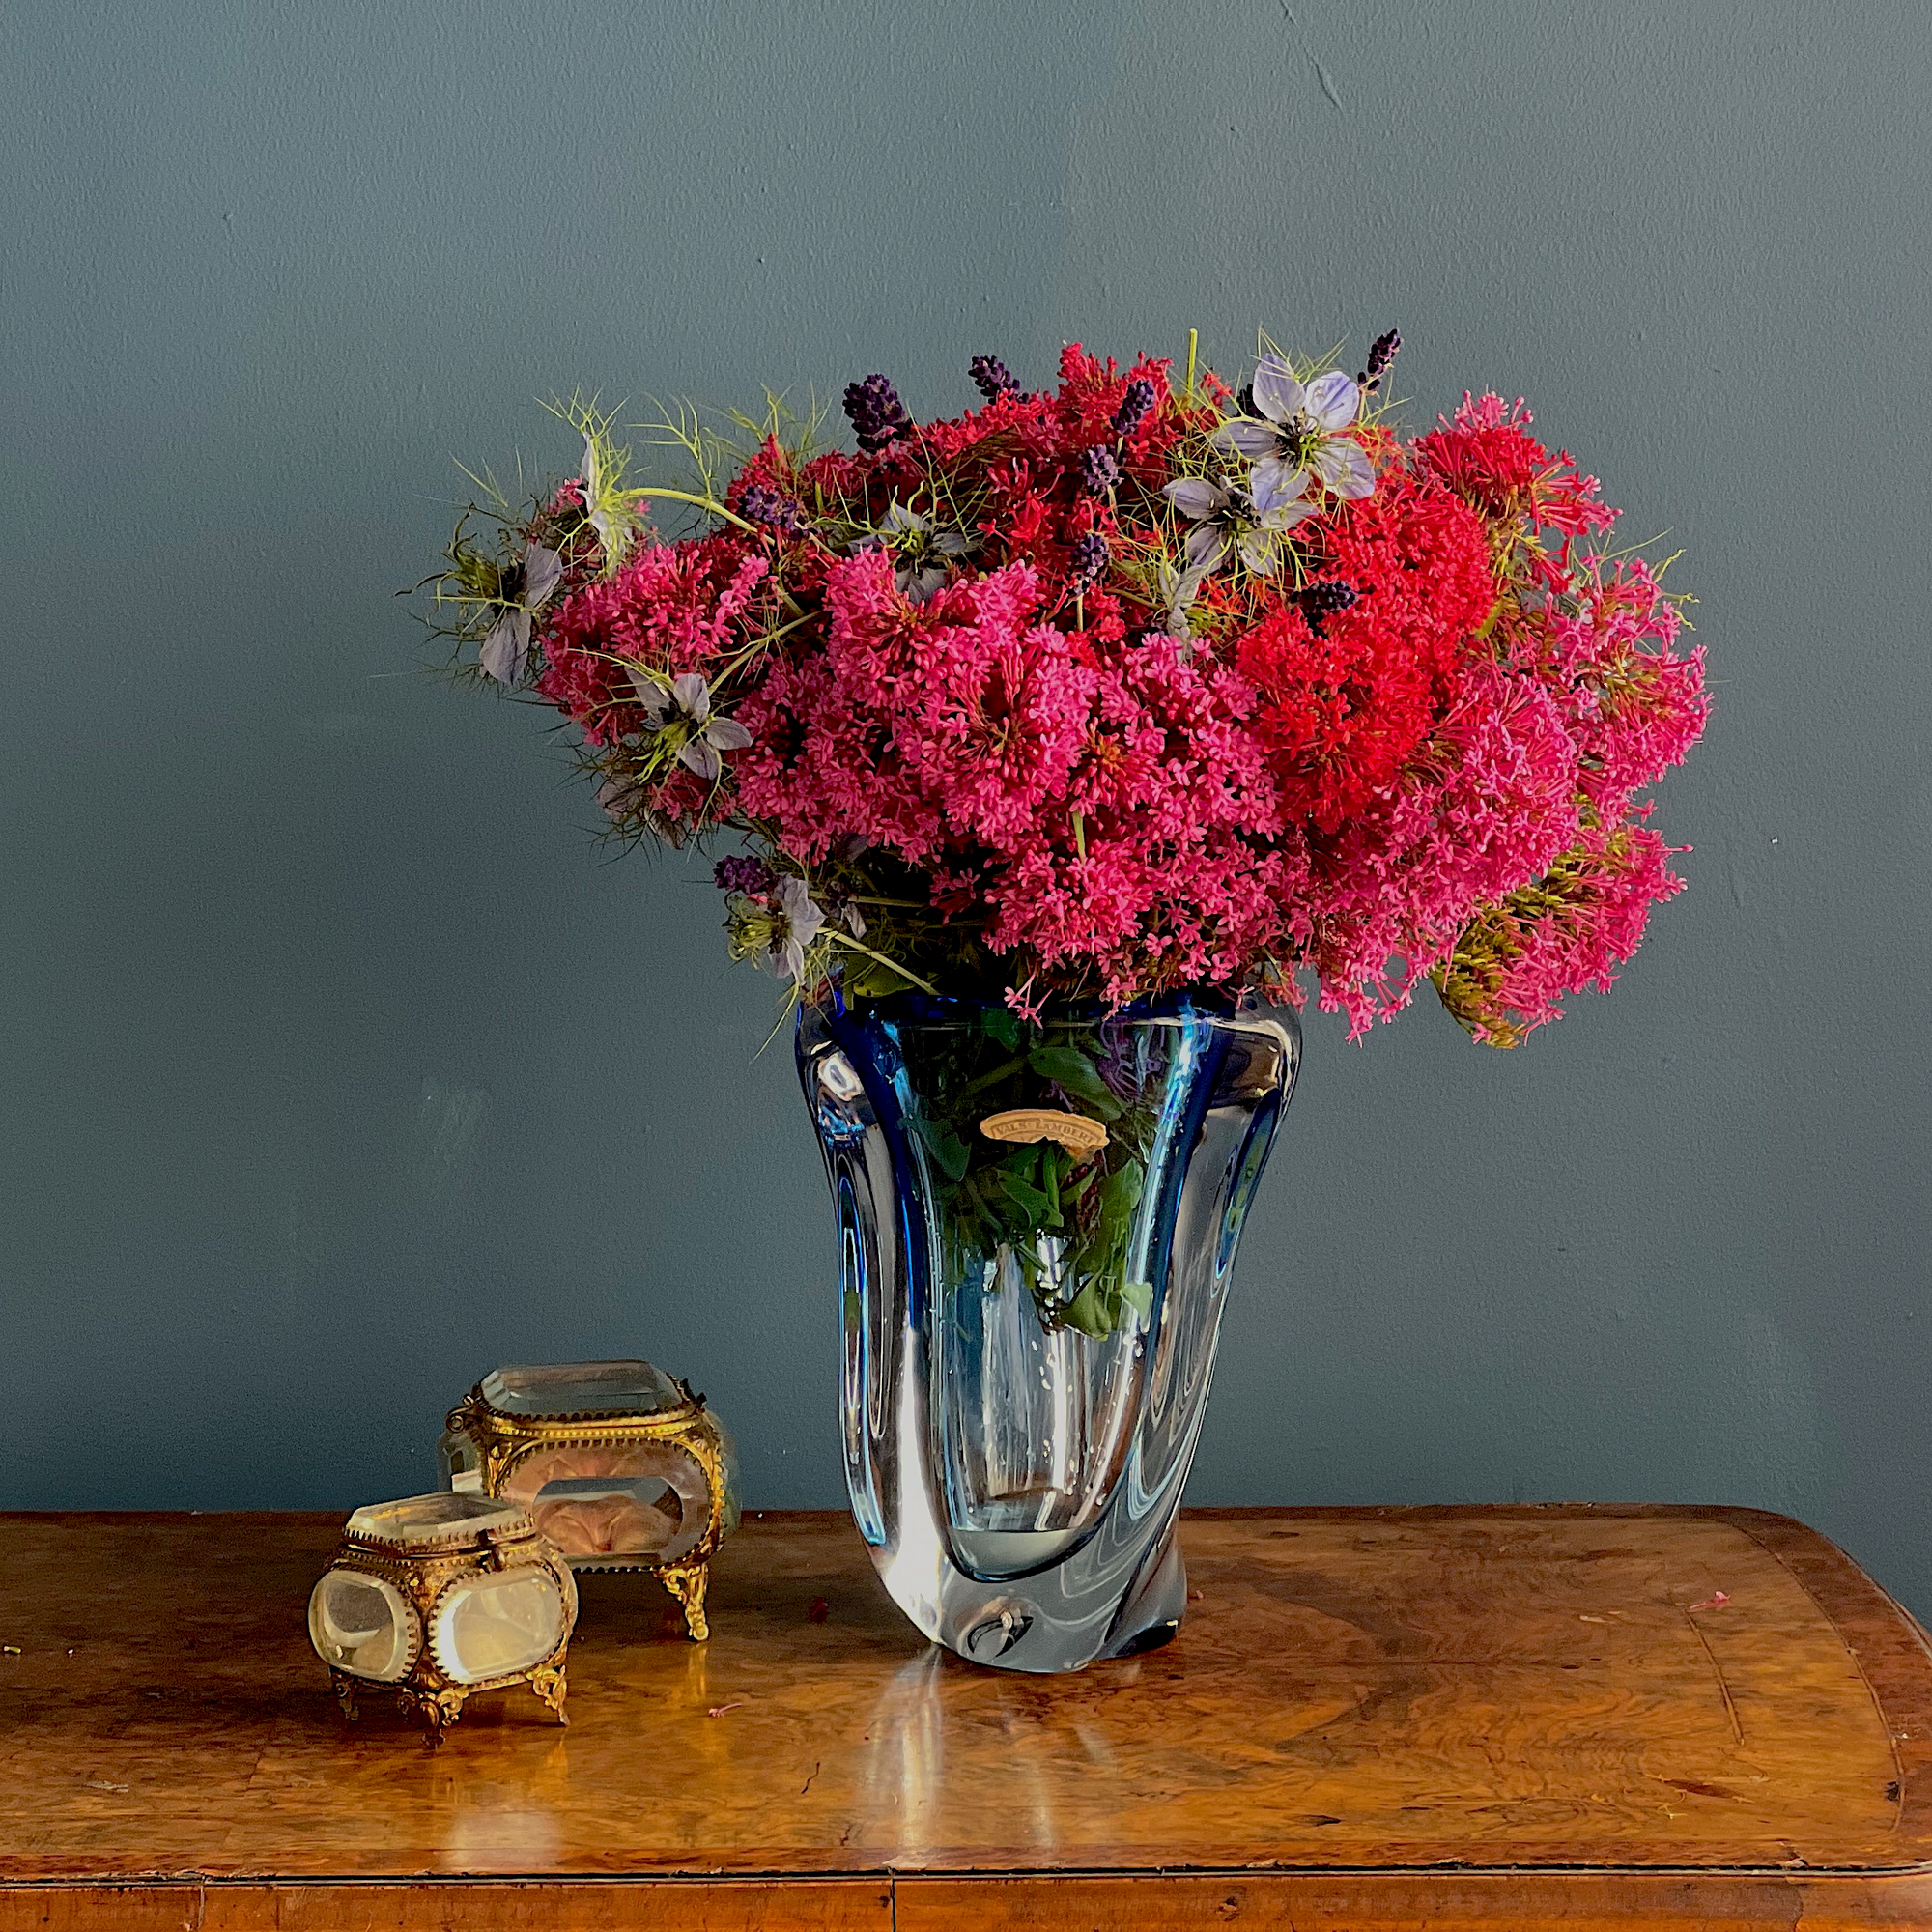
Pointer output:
1090, 803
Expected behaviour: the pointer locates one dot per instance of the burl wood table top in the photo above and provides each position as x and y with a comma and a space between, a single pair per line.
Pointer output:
1453, 1717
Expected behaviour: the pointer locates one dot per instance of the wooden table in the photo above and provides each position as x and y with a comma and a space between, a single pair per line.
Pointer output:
1455, 1719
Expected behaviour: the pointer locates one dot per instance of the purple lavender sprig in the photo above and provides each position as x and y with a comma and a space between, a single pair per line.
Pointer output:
1088, 557
760, 505
751, 876
1100, 469
1327, 600
877, 416
1135, 403
1382, 352
992, 378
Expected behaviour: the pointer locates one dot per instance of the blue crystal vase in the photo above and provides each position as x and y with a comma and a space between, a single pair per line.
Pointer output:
1036, 1226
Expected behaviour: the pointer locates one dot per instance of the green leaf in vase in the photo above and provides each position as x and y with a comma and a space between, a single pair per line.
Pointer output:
1025, 1195
1003, 1026
1121, 1192
948, 1150
1073, 1191
993, 1075
1074, 1073
1085, 1312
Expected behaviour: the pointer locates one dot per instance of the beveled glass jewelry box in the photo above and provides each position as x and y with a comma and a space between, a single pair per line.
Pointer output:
620, 1465
436, 1598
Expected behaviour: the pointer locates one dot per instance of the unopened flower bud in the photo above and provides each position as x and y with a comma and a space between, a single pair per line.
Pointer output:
1088, 558
746, 875
1327, 600
877, 416
992, 378
1135, 403
761, 505
1098, 469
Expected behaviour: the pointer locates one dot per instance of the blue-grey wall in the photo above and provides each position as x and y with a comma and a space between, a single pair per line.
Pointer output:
340, 1062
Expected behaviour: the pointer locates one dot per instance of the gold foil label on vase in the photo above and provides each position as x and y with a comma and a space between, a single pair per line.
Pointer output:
1046, 1124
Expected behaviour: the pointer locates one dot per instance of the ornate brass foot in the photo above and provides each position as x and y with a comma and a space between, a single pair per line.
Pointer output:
549, 1685
433, 1709
686, 1584
345, 1694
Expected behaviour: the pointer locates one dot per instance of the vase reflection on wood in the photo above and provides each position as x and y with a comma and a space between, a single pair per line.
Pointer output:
1030, 1318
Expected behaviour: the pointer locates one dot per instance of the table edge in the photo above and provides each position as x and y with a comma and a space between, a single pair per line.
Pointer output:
1452, 1900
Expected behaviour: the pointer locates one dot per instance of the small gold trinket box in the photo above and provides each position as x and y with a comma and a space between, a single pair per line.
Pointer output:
439, 1597
619, 1464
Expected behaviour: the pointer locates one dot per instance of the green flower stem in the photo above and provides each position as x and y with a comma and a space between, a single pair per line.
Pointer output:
710, 503
759, 645
717, 509
997, 1074
906, 973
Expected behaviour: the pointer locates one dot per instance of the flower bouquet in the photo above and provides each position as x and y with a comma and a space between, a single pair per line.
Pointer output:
1063, 748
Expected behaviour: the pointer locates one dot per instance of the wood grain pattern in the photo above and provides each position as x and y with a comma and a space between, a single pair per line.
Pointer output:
654, 1905
1383, 1713
1410, 1902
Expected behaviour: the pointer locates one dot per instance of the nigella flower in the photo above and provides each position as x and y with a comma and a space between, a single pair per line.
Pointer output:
1298, 429
1099, 470
992, 378
919, 553
877, 416
1178, 589
1135, 401
1226, 519
618, 796
526, 588
800, 922
603, 506
686, 708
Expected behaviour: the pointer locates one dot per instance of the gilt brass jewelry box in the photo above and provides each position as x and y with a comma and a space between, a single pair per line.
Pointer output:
619, 1464
439, 1597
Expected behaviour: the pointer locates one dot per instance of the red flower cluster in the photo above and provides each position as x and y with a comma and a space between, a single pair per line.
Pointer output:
1127, 687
